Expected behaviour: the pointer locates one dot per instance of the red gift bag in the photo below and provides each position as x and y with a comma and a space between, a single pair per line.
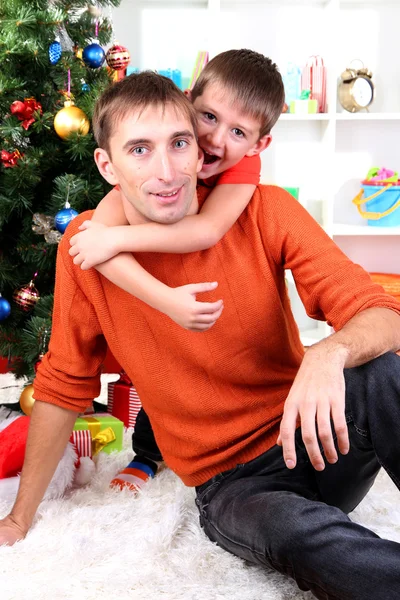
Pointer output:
123, 401
314, 79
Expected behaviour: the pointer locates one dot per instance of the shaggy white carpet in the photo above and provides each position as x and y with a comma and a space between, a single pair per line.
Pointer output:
97, 544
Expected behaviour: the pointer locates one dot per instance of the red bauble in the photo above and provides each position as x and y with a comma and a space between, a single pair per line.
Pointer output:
118, 57
26, 297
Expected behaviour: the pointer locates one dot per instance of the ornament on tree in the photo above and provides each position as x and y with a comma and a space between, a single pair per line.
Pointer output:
55, 51
27, 296
95, 11
85, 86
118, 57
10, 159
93, 56
24, 111
5, 308
71, 119
78, 52
26, 399
43, 225
64, 217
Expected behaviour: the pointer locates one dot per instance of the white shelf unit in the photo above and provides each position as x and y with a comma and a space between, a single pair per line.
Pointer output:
325, 155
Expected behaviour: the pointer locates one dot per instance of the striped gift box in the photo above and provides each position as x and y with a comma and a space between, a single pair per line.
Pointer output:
83, 442
313, 78
123, 402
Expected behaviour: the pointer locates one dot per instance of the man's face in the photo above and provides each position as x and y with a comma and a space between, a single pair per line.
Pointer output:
225, 133
154, 160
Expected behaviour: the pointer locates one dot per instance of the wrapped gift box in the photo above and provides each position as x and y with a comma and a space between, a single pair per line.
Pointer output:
106, 431
123, 401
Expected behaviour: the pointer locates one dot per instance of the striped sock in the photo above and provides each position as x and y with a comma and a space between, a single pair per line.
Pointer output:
134, 476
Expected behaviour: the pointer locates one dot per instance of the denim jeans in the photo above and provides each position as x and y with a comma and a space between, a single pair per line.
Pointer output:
296, 522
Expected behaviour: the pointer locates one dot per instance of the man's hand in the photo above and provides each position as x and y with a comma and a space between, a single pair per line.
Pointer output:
10, 531
95, 244
317, 396
183, 308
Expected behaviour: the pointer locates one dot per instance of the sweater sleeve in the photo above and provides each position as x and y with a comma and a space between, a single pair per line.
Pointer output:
69, 374
331, 287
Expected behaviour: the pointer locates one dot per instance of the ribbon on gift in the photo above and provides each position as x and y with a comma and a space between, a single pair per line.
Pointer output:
99, 438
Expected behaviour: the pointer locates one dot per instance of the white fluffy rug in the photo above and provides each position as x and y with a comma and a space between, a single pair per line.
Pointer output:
97, 544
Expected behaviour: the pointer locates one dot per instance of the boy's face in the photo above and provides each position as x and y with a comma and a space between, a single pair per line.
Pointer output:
155, 160
225, 133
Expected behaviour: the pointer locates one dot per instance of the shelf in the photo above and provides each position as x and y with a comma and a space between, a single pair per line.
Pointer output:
294, 117
390, 116
349, 230
279, 3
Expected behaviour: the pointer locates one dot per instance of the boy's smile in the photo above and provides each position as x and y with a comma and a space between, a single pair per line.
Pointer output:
226, 133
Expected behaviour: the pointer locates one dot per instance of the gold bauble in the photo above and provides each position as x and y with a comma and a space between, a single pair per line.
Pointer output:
78, 53
70, 119
26, 399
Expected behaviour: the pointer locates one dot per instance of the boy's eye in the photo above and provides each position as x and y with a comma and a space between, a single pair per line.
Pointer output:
210, 116
139, 150
181, 144
238, 132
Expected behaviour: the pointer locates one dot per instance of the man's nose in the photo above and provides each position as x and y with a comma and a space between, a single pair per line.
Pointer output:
165, 167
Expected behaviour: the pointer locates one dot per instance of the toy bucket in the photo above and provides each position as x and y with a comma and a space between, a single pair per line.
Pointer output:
382, 207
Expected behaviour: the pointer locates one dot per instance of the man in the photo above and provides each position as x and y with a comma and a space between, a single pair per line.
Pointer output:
216, 400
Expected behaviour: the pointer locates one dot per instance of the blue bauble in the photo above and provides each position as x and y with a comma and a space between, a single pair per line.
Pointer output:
5, 309
93, 56
55, 52
85, 87
63, 218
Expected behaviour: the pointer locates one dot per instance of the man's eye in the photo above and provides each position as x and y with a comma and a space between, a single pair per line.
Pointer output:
139, 151
238, 132
181, 144
210, 116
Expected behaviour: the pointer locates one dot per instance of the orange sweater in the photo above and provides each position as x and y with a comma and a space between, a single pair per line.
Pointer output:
215, 399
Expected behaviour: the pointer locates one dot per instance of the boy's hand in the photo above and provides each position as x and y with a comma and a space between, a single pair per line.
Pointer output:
94, 245
186, 311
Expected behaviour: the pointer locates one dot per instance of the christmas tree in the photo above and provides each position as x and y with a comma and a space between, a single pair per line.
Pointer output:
50, 53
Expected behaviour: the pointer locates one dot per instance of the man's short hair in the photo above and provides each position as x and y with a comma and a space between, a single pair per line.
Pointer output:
253, 80
137, 92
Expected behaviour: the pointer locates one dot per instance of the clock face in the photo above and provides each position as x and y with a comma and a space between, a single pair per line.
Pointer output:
362, 92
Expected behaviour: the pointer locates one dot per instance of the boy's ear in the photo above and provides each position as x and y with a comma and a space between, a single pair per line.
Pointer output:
261, 145
188, 94
105, 166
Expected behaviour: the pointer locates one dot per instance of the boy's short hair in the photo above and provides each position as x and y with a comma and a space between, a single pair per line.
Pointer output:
136, 92
252, 78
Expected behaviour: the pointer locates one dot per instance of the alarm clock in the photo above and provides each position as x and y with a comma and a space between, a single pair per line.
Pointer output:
356, 89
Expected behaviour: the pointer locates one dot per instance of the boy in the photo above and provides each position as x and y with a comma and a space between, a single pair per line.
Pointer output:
238, 98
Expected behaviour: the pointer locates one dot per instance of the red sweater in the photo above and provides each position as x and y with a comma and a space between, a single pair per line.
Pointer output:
215, 399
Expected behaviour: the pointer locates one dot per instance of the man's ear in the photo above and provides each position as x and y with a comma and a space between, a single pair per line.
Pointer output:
188, 94
200, 160
261, 145
105, 166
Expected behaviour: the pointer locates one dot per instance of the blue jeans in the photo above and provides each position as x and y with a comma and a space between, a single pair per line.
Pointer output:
295, 521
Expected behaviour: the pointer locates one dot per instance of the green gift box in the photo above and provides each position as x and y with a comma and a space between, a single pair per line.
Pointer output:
107, 432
